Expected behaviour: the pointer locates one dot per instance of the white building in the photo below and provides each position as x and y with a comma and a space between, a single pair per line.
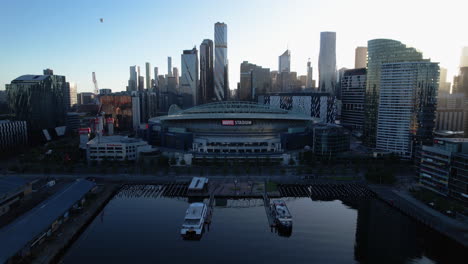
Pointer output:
148, 75
115, 148
407, 106
284, 62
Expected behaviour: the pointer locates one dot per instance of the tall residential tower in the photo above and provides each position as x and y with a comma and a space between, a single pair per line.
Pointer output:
221, 80
327, 62
206, 93
284, 62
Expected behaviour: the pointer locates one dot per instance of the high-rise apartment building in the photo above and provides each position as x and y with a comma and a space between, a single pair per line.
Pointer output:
73, 94
407, 104
284, 62
450, 114
360, 59
464, 57
169, 66
175, 74
189, 79
134, 78
309, 80
221, 80
148, 75
206, 93
156, 76
353, 90
254, 80
327, 63
444, 86
460, 82
141, 83
381, 51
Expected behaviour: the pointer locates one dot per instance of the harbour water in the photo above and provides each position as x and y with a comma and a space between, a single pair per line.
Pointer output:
135, 229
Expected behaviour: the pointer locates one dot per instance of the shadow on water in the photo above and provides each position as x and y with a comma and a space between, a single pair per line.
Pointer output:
144, 229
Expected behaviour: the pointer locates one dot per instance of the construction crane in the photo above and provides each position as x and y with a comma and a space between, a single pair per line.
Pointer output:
99, 121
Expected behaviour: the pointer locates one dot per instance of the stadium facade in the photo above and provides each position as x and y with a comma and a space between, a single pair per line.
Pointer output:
232, 130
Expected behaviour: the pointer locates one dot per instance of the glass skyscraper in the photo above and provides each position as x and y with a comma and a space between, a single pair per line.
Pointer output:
327, 62
189, 78
380, 51
221, 80
206, 93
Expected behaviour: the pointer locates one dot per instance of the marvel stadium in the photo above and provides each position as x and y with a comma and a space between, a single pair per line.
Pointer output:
232, 129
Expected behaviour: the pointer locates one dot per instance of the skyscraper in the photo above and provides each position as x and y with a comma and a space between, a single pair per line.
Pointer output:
284, 62
169, 66
134, 78
156, 79
327, 62
73, 95
407, 105
381, 51
353, 90
148, 75
206, 93
245, 89
175, 74
444, 86
189, 78
464, 57
360, 59
309, 83
221, 76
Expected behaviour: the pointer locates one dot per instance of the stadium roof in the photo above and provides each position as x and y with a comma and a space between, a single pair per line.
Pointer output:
30, 77
233, 109
15, 236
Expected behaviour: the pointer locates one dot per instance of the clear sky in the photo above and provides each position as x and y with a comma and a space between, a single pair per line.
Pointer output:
68, 37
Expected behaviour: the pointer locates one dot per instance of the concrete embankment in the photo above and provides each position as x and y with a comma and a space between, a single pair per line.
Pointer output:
52, 251
409, 206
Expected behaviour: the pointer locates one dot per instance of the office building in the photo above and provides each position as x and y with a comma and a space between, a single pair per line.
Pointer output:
360, 59
330, 140
443, 168
407, 106
327, 63
206, 72
189, 79
309, 81
339, 78
353, 90
381, 51
254, 80
119, 107
85, 98
460, 82
245, 88
39, 100
284, 61
148, 76
169, 66
117, 148
105, 91
73, 94
221, 80
450, 114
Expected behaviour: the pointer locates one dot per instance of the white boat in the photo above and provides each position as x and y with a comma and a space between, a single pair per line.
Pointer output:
282, 216
194, 220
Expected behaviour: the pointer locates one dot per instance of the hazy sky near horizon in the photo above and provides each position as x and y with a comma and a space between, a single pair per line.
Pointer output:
68, 37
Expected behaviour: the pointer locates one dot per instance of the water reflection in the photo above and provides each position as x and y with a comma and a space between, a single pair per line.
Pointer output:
144, 229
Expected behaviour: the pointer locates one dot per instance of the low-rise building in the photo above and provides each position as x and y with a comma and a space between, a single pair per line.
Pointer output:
442, 167
115, 148
330, 139
35, 226
12, 190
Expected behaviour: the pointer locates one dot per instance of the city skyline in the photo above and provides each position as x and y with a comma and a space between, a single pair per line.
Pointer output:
81, 44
